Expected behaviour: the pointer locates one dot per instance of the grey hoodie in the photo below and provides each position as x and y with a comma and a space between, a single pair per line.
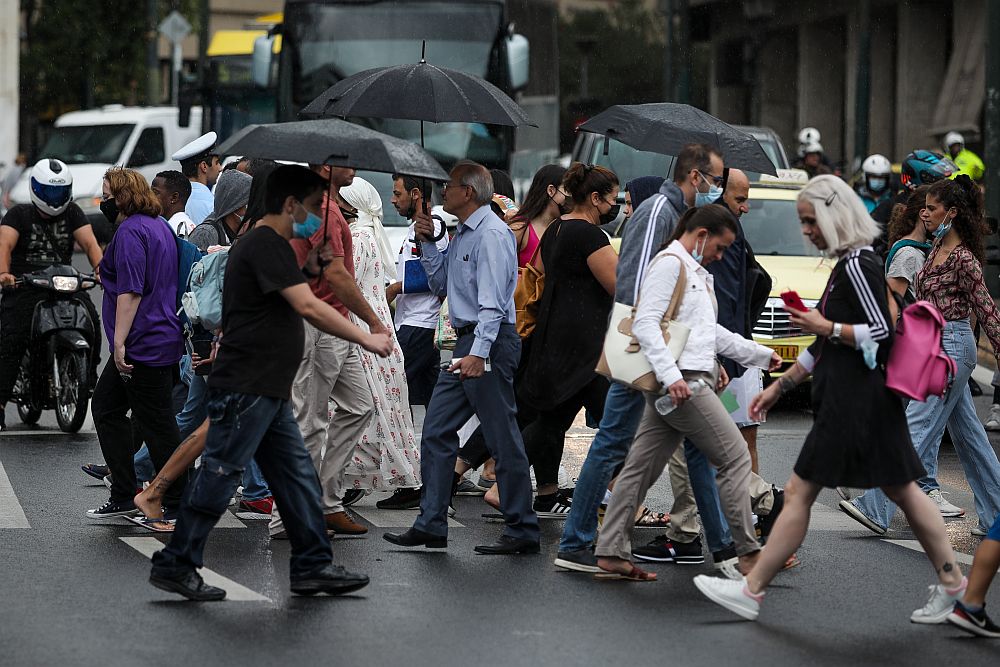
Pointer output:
631, 255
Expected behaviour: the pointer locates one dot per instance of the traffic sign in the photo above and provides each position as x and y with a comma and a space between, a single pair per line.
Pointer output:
175, 27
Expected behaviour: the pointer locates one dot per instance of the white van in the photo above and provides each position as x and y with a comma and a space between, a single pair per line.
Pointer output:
142, 138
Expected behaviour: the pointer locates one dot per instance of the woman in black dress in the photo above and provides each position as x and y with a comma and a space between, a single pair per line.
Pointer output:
860, 437
559, 380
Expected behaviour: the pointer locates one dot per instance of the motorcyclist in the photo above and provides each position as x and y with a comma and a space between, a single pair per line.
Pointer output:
813, 161
33, 237
875, 186
967, 162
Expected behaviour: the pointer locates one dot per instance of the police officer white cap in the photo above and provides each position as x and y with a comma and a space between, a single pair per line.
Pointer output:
199, 148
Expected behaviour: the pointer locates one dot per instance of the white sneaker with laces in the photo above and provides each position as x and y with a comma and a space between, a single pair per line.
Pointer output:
731, 594
947, 509
993, 420
730, 569
940, 603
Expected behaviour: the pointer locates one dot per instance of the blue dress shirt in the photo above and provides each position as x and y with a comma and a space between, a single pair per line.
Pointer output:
200, 204
478, 275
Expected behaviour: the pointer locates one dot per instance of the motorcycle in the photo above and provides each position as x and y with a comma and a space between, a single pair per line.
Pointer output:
55, 371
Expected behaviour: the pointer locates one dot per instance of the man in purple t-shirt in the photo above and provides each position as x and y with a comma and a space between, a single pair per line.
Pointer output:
139, 275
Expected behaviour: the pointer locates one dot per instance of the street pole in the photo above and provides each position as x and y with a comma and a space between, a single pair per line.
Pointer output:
668, 51
862, 101
992, 111
176, 61
206, 97
152, 58
683, 94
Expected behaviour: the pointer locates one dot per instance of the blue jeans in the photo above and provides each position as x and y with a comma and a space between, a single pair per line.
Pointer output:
706, 497
244, 426
956, 411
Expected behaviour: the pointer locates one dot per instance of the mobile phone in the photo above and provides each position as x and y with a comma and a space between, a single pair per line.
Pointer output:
446, 366
203, 348
792, 300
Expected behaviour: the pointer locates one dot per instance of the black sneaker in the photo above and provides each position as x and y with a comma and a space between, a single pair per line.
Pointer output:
552, 506
766, 523
663, 550
401, 499
331, 579
352, 496
112, 509
190, 585
976, 622
96, 470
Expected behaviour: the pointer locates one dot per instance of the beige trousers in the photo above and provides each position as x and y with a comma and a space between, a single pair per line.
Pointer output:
705, 421
330, 371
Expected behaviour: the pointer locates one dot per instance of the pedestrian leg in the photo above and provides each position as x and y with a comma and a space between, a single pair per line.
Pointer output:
928, 526
354, 409
109, 408
788, 533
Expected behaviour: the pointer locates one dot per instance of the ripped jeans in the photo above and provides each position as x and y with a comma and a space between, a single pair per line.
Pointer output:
244, 427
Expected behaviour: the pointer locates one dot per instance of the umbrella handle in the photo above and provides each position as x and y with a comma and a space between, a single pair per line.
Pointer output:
444, 228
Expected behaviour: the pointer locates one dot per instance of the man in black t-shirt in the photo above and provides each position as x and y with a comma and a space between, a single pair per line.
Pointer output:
265, 297
33, 237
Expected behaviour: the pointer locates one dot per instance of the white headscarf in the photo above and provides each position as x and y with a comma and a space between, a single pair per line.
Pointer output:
363, 196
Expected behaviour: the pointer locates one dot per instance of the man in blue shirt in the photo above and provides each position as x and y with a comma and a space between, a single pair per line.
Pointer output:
200, 164
478, 276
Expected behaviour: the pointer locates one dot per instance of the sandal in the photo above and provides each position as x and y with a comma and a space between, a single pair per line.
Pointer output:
793, 561
634, 574
157, 525
647, 518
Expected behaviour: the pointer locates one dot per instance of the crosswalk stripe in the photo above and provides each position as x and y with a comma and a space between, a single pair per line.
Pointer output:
234, 592
11, 513
914, 545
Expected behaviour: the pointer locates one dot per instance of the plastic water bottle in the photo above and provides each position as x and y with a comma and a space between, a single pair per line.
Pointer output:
665, 405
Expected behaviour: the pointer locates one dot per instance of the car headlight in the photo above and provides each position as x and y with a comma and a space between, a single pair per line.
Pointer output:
65, 283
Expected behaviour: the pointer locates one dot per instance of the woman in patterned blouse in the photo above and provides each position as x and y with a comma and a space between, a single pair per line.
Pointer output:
952, 279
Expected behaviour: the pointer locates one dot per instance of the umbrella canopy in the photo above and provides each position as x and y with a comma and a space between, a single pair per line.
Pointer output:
336, 143
419, 91
667, 127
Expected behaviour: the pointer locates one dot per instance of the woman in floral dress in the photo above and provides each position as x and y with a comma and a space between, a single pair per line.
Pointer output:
388, 454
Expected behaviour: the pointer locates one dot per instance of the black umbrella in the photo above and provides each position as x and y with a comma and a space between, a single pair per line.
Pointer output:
336, 143
419, 91
667, 127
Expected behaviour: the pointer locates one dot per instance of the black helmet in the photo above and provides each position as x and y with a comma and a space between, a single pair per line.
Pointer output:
922, 167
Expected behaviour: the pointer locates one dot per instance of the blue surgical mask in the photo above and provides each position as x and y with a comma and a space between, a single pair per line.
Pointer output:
877, 184
308, 227
706, 198
942, 229
699, 255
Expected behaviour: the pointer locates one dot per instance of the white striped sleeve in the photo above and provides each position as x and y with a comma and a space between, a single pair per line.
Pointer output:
877, 329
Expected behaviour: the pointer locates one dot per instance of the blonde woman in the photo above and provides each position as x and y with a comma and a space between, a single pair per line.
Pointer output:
859, 437
387, 457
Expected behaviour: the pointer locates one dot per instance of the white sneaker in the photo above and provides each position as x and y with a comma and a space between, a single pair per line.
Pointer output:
730, 569
849, 492
939, 604
733, 595
850, 510
946, 508
993, 421
978, 531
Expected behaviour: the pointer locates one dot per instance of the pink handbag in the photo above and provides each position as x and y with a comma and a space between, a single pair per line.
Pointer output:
918, 366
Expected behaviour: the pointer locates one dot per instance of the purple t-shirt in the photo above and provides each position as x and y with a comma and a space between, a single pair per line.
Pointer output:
142, 259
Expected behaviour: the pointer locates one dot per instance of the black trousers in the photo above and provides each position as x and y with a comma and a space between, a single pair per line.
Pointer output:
421, 362
16, 311
147, 394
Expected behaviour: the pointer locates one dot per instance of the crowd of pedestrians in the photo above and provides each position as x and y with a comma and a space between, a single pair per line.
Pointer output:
328, 353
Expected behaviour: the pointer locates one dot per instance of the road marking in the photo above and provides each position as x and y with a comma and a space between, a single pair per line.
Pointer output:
11, 513
234, 592
229, 520
914, 545
392, 518
826, 518
16, 432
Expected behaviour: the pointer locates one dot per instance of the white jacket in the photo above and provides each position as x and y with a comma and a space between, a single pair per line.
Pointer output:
698, 311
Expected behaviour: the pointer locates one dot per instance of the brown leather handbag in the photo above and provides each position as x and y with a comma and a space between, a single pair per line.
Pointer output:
528, 295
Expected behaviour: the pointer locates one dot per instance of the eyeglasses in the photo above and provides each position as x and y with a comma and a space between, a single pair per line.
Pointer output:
454, 185
715, 179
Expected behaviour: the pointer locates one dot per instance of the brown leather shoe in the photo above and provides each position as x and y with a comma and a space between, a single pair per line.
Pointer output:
341, 523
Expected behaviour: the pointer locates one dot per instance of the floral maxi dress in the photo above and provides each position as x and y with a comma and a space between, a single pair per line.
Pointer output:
388, 455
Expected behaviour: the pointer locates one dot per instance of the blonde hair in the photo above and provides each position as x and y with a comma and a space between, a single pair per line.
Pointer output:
131, 192
840, 215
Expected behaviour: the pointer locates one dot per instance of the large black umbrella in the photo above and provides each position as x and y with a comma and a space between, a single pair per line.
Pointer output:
667, 127
336, 143
419, 91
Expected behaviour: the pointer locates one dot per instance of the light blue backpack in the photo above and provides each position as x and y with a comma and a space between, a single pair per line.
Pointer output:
203, 300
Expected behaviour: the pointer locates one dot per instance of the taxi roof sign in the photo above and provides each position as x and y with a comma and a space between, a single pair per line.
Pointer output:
786, 177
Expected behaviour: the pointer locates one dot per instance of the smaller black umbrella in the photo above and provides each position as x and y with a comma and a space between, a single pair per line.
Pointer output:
667, 127
419, 91
336, 143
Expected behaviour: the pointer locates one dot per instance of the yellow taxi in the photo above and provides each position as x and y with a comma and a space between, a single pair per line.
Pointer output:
773, 230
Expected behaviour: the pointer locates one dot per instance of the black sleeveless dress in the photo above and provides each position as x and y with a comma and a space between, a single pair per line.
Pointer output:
860, 437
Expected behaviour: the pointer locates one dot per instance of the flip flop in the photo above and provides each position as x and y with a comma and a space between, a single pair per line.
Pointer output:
650, 519
793, 561
158, 525
635, 574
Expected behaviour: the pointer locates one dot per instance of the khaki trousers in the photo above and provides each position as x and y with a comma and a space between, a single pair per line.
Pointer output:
330, 371
705, 421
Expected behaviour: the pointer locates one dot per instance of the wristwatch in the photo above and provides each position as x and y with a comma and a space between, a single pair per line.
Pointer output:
838, 329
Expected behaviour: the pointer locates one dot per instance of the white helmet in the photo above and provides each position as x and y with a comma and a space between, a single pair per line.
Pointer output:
876, 165
809, 135
812, 147
51, 186
953, 138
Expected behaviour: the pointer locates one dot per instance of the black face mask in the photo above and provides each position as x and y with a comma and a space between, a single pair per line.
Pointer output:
109, 207
611, 214
564, 207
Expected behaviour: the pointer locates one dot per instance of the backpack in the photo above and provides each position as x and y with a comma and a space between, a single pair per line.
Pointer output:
202, 301
188, 255
918, 366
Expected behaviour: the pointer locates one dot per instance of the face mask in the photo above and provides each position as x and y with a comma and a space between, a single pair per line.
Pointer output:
308, 227
699, 255
611, 214
877, 184
942, 229
710, 197
563, 207
109, 207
